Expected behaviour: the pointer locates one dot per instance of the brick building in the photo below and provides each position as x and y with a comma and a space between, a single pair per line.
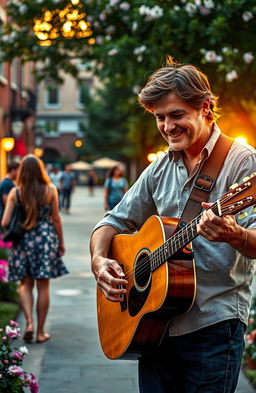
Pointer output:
17, 103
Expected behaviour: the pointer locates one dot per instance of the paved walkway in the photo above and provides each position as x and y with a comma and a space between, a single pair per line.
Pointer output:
72, 361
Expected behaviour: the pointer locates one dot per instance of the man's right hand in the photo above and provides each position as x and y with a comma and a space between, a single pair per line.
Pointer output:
109, 276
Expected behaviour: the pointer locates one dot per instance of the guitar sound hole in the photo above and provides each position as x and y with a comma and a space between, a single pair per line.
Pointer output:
142, 271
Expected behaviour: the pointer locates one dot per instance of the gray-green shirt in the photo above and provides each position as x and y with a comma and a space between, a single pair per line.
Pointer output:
224, 275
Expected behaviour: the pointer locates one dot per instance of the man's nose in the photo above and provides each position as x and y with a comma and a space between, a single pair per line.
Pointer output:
169, 125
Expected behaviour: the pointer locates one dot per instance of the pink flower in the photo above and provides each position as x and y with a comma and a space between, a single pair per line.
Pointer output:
14, 323
12, 332
17, 355
4, 338
6, 361
1, 376
33, 384
15, 370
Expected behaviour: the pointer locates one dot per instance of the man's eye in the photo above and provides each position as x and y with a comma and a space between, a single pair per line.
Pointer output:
160, 118
177, 116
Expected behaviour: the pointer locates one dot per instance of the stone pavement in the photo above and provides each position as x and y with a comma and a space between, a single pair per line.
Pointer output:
72, 361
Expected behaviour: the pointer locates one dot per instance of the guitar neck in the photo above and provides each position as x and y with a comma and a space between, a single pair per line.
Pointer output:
177, 242
234, 201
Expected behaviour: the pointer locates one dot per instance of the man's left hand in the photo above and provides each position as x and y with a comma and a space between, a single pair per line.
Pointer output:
218, 229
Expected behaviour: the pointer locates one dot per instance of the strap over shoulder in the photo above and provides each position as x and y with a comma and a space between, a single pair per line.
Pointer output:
206, 179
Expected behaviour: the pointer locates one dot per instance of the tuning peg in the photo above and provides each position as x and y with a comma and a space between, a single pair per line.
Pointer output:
242, 215
253, 174
233, 186
246, 178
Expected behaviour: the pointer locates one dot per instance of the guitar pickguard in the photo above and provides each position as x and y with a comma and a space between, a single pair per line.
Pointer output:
137, 299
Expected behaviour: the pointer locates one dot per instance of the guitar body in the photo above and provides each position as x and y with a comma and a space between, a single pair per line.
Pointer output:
136, 325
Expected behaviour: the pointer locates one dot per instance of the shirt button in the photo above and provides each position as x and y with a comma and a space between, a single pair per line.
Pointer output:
186, 188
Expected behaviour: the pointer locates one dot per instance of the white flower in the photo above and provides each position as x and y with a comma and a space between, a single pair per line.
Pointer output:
113, 2
134, 26
248, 57
102, 16
143, 10
99, 40
191, 8
210, 56
209, 3
136, 89
235, 50
23, 350
247, 15
183, 1
112, 52
219, 59
125, 6
108, 37
198, 3
230, 76
157, 11
139, 59
23, 9
139, 50
225, 50
110, 29
176, 8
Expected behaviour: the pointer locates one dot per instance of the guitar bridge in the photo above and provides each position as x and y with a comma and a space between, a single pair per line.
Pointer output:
123, 304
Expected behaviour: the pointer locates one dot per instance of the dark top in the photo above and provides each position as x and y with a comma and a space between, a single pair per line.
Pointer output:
5, 187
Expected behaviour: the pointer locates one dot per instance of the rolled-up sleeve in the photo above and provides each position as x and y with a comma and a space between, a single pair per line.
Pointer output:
135, 207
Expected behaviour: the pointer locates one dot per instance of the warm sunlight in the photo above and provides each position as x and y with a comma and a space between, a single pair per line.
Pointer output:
242, 140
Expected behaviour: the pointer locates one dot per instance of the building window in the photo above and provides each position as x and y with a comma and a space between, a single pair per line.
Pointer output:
48, 127
14, 74
52, 96
84, 92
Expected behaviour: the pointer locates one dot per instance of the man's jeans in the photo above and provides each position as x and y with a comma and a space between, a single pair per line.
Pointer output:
205, 361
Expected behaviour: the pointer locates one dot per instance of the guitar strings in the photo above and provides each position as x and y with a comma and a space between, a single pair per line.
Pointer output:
159, 253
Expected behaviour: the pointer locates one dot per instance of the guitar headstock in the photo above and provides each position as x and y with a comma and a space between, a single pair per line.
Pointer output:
238, 198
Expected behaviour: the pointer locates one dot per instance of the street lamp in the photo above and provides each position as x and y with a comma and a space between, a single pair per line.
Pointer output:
17, 127
7, 144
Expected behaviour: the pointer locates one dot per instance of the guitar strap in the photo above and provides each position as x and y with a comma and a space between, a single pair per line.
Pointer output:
206, 179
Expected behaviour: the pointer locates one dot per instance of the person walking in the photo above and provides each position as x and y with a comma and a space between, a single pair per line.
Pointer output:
7, 184
115, 187
202, 348
37, 257
91, 181
55, 176
67, 182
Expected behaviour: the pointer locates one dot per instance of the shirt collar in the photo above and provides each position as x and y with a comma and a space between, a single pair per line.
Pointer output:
207, 149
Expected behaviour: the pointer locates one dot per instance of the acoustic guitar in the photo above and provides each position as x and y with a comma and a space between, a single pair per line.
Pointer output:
160, 270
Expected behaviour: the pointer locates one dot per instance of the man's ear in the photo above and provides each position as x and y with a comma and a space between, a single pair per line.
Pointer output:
206, 106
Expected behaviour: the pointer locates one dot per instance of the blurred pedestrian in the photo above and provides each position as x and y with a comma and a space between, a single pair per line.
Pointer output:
67, 182
91, 182
55, 176
115, 187
37, 257
7, 184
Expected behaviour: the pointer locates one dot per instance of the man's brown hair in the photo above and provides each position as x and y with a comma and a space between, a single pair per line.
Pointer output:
186, 81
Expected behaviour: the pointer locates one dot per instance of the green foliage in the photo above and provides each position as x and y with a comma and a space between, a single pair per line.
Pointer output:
251, 375
8, 291
7, 311
132, 39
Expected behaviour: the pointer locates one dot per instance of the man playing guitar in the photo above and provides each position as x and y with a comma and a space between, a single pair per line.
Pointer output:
202, 348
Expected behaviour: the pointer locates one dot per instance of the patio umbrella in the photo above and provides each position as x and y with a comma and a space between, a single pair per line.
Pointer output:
80, 165
106, 162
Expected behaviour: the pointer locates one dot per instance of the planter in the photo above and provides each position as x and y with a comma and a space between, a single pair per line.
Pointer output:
250, 364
